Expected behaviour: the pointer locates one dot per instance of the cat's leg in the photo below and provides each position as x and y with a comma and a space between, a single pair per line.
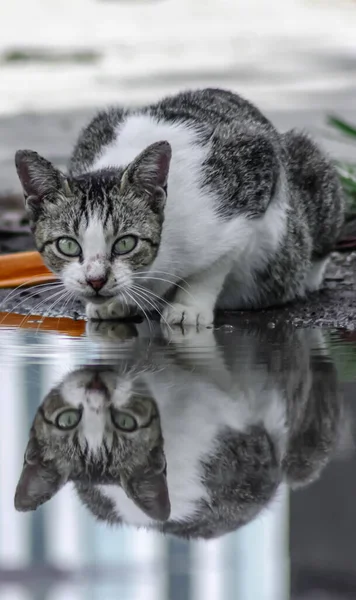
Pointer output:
315, 275
194, 303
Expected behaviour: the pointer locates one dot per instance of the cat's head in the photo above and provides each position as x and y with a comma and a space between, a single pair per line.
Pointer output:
95, 429
96, 230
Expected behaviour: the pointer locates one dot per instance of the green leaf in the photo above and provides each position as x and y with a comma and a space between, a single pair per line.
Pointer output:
343, 353
346, 170
342, 126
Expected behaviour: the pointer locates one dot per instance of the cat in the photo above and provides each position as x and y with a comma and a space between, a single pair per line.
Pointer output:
185, 206
188, 445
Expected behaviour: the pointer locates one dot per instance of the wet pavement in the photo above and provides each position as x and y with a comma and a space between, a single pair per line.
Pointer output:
256, 426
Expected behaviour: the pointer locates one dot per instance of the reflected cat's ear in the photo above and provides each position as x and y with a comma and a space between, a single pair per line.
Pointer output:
149, 491
149, 171
39, 179
37, 484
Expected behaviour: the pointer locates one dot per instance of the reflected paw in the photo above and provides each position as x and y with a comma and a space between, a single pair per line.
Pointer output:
110, 330
189, 337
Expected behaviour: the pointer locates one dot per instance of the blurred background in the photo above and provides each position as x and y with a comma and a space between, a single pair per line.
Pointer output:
59, 61
282, 54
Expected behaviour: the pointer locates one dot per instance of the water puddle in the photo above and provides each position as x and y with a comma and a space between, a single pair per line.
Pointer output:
176, 465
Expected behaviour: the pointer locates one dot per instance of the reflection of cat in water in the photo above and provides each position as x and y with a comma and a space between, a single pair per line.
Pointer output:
187, 445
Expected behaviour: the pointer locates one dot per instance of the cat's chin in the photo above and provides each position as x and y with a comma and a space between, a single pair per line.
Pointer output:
97, 299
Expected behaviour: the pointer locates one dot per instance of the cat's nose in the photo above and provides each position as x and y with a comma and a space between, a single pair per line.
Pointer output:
97, 283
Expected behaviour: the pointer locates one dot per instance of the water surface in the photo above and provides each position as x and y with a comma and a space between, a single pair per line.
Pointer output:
260, 421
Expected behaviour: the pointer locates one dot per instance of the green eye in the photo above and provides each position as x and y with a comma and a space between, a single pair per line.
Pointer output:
123, 420
68, 246
125, 244
68, 419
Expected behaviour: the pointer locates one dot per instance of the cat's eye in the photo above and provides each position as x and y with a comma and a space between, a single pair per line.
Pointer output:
123, 420
68, 419
125, 244
68, 246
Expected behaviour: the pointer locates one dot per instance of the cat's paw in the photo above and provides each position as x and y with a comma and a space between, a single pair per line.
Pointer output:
183, 315
107, 312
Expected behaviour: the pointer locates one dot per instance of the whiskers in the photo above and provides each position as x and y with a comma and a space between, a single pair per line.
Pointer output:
55, 298
15, 293
172, 281
152, 299
133, 297
60, 294
18, 290
147, 300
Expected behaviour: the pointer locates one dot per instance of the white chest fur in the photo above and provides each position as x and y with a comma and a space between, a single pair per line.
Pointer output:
194, 238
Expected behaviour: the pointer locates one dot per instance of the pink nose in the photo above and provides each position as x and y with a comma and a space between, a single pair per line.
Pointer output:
97, 284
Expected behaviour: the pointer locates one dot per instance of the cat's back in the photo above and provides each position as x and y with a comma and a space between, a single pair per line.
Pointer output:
207, 108
186, 119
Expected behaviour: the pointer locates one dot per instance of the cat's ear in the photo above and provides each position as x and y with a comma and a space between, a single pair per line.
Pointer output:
149, 491
39, 179
149, 170
148, 488
38, 482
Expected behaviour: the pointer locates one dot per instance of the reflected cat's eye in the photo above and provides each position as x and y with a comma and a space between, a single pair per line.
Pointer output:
68, 246
123, 420
125, 244
68, 419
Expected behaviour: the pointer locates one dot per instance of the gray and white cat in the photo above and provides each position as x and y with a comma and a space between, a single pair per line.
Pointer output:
196, 199
189, 444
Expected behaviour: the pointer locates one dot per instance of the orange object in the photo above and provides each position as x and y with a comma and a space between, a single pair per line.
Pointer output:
26, 269
23, 268
62, 325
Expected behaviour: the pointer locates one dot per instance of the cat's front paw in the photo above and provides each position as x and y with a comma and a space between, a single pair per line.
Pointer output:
107, 312
180, 314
